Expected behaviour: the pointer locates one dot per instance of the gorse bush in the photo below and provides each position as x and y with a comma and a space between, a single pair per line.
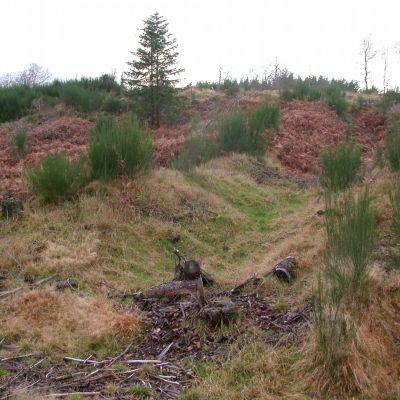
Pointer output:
116, 149
340, 166
56, 178
343, 284
81, 98
329, 93
112, 105
15, 102
393, 146
379, 157
85, 94
390, 98
244, 131
336, 99
350, 225
197, 150
394, 196
19, 143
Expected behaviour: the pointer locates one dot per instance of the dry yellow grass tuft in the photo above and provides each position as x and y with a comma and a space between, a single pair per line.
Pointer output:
50, 320
371, 363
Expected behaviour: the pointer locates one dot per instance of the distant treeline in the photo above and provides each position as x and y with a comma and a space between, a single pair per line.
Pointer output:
281, 80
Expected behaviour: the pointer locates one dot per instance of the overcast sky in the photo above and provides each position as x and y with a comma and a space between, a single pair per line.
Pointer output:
87, 38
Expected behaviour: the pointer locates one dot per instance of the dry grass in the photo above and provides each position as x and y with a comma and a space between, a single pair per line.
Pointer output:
371, 364
66, 322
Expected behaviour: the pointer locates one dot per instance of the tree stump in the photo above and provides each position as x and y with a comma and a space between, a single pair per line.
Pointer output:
219, 312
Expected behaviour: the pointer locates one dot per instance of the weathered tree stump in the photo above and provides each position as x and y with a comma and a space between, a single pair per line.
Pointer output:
219, 312
285, 269
190, 270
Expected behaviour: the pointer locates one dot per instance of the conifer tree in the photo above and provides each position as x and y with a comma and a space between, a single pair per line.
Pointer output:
153, 72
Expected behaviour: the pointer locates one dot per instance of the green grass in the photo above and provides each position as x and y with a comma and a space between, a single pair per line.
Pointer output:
4, 373
221, 222
141, 391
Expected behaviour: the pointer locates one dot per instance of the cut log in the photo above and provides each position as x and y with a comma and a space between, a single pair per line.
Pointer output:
285, 269
172, 289
219, 312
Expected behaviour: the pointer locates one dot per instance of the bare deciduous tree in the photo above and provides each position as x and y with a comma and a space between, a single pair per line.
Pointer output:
6, 80
385, 55
368, 53
32, 76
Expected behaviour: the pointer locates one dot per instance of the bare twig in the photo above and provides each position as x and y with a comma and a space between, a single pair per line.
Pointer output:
120, 355
18, 357
79, 360
164, 352
73, 394
142, 362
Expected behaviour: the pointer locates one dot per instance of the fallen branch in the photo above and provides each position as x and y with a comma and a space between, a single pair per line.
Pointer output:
73, 394
10, 292
18, 357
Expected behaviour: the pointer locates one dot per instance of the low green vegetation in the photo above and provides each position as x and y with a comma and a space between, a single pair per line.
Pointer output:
393, 145
340, 166
112, 105
85, 95
141, 391
237, 132
394, 195
329, 93
4, 373
244, 131
119, 148
390, 98
197, 150
379, 157
18, 143
56, 178
343, 285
